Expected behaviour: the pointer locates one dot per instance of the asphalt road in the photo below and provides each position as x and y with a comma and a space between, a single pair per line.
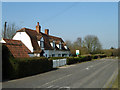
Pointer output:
93, 74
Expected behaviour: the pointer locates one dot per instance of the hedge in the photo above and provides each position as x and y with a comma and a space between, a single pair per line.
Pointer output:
71, 60
54, 58
83, 58
29, 66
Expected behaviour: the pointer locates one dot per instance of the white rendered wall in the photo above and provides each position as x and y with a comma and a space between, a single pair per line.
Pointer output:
22, 36
56, 52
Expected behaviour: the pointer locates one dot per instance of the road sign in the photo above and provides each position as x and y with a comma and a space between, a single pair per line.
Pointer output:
77, 52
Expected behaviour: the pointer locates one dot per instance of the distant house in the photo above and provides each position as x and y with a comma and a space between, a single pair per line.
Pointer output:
17, 48
42, 44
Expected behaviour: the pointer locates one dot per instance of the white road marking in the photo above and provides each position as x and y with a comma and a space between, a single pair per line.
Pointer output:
50, 86
65, 87
87, 68
54, 80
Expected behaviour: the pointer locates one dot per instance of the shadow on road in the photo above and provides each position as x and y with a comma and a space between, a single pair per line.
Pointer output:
5, 80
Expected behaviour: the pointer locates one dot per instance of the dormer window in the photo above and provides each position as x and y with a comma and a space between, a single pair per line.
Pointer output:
42, 44
60, 45
53, 44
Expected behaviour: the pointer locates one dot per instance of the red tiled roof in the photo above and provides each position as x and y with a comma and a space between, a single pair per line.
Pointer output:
34, 36
17, 48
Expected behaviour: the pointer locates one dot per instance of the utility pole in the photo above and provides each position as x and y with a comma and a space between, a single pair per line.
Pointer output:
5, 29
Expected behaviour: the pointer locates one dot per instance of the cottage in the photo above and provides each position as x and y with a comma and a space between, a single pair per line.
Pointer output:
42, 44
16, 47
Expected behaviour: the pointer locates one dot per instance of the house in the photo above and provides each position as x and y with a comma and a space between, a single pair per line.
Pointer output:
16, 47
42, 44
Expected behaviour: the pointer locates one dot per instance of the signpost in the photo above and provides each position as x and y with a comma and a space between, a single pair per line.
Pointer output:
77, 52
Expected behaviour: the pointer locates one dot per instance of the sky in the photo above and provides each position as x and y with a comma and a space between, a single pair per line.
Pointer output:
68, 20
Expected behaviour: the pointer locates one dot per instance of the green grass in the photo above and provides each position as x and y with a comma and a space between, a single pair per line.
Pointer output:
116, 83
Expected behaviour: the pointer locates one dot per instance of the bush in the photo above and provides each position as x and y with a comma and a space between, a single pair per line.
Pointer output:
54, 58
100, 55
28, 66
72, 60
6, 65
95, 56
85, 58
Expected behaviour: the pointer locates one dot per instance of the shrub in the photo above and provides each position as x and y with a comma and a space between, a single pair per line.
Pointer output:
28, 66
72, 60
86, 58
6, 65
54, 58
95, 56
83, 58
100, 55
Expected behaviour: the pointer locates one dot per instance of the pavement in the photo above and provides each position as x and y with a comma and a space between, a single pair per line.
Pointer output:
92, 74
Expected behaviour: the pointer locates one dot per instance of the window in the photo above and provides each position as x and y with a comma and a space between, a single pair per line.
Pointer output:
60, 46
53, 55
42, 44
64, 55
59, 55
53, 44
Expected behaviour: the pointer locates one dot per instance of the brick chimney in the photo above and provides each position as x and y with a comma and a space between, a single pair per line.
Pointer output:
38, 28
47, 31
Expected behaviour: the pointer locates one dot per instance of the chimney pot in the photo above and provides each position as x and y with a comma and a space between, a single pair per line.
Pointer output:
38, 23
47, 31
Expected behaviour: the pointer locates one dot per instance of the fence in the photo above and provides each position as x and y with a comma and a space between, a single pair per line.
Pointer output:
59, 62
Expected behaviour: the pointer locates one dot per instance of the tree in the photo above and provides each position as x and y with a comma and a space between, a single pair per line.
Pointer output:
10, 30
68, 43
78, 42
93, 44
70, 46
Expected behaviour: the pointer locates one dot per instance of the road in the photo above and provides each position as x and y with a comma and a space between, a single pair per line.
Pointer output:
93, 74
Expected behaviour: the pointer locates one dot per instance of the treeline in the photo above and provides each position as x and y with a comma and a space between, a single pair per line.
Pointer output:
90, 45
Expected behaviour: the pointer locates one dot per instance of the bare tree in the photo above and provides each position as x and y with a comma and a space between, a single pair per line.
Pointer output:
78, 42
10, 31
92, 43
69, 43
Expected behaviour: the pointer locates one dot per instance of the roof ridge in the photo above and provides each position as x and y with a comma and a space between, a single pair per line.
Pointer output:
51, 35
25, 29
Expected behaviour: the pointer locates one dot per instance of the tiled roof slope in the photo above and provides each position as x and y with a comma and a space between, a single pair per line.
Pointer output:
17, 48
34, 36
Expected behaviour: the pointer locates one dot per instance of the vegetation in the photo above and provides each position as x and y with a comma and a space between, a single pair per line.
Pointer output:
16, 68
90, 45
83, 58
53, 58
111, 52
11, 29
